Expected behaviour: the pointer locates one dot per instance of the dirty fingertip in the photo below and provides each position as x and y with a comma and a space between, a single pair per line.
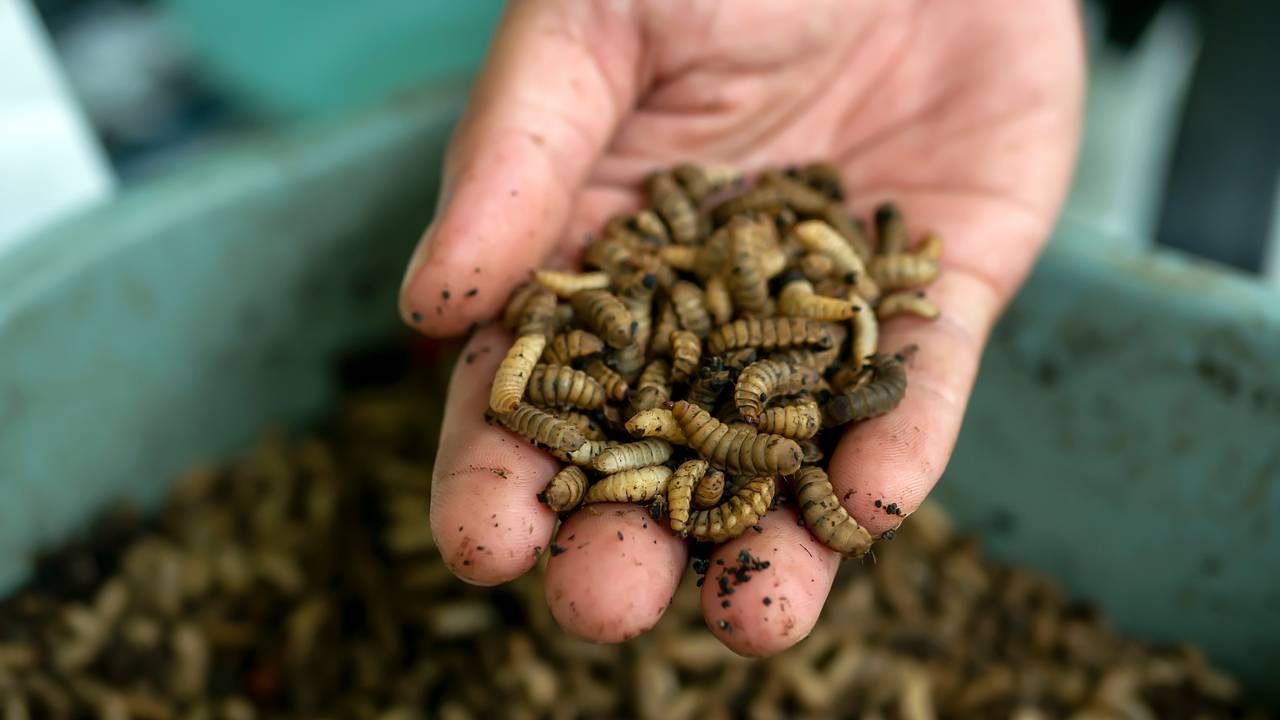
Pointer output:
764, 591
612, 572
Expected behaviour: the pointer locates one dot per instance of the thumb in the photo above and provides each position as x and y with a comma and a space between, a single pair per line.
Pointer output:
559, 77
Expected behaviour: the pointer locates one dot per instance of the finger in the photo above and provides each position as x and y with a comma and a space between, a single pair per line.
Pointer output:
883, 468
485, 515
540, 115
612, 572
758, 611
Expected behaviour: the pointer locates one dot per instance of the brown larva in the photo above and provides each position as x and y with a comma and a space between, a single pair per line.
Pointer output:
649, 224
699, 181
823, 515
764, 380
737, 450
680, 492
823, 177
877, 397
718, 300
732, 517
817, 236
812, 452
866, 332
816, 266
615, 386
767, 334
610, 254
660, 343
514, 310
561, 386
798, 421
514, 372
747, 279
851, 229
712, 378
686, 353
566, 347
690, 308
636, 486
891, 229
656, 422
774, 192
635, 290
798, 299
543, 428
566, 284
709, 490
930, 247
849, 377
675, 207
586, 453
629, 456
591, 430
538, 316
893, 272
605, 313
906, 302
566, 489
654, 386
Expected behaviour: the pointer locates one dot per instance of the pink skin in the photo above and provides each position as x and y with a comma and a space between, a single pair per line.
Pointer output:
967, 114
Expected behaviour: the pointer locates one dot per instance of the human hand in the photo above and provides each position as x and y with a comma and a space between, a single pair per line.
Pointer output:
965, 114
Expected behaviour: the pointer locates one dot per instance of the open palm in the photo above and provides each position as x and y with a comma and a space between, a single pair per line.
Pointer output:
966, 114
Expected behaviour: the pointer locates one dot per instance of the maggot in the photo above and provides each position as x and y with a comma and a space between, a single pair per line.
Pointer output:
654, 386
769, 334
635, 290
798, 421
825, 517
766, 379
591, 430
566, 489
675, 207
538, 315
821, 176
877, 397
686, 353
660, 343
817, 236
892, 272
606, 314
748, 281
566, 284
708, 490
629, 456
906, 302
615, 386
891, 229
586, 453
866, 332
514, 372
690, 308
656, 422
798, 299
514, 309
732, 517
543, 428
563, 387
637, 486
718, 300
680, 491
737, 450
566, 347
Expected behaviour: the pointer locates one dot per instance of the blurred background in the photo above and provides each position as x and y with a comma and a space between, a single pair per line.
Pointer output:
1180, 148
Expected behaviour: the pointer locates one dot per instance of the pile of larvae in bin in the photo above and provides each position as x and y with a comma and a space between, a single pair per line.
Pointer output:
709, 356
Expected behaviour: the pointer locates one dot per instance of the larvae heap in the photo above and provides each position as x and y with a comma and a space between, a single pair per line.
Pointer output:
705, 362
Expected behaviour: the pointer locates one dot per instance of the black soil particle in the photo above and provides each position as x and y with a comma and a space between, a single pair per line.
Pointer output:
892, 509
556, 549
417, 316
444, 294
620, 537
726, 603
739, 573
473, 292
767, 601
879, 503
889, 534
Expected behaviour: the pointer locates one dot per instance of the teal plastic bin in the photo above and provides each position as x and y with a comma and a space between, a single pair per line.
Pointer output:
1124, 437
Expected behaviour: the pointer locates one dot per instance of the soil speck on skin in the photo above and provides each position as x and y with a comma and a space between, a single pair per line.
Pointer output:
724, 625
889, 534
735, 575
620, 537
466, 562
469, 358
473, 292
726, 603
892, 509
476, 271
879, 503
537, 551
556, 549
480, 548
444, 294
459, 528
417, 316
757, 528
767, 601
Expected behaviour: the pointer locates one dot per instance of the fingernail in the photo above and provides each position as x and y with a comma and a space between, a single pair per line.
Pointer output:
419, 258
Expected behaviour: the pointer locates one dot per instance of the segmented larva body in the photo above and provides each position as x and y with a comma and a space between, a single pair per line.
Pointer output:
610, 254
675, 207
823, 515
699, 181
660, 343
686, 353
680, 492
566, 347
636, 486
709, 490
691, 308
891, 229
656, 422
615, 386
774, 192
606, 314
848, 378
832, 288
812, 452
654, 386
591, 430
736, 450
514, 373
585, 454
907, 302
763, 380
680, 257
852, 229
816, 266
748, 282
718, 299
514, 309
877, 397
769, 334
732, 517
563, 387
817, 236
893, 272
543, 428
650, 225
629, 456
798, 299
566, 284
823, 177
866, 332
713, 377
636, 293
930, 247
798, 421
566, 489
538, 316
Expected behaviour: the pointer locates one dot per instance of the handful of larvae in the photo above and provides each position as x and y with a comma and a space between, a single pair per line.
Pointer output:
706, 362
